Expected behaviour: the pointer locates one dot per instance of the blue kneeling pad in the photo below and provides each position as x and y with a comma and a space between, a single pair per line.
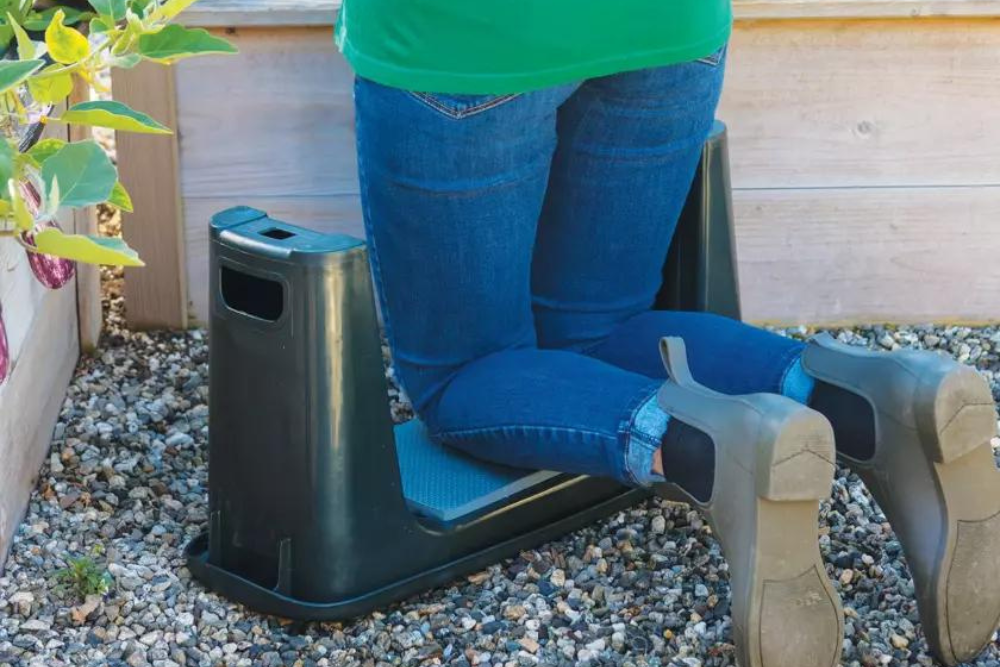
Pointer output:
445, 484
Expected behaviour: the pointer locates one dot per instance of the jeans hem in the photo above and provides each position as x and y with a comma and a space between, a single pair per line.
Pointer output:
643, 435
795, 383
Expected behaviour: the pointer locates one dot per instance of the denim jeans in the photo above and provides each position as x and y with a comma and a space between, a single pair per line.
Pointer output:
517, 243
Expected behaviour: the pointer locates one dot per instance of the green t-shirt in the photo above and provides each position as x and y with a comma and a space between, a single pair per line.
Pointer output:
511, 46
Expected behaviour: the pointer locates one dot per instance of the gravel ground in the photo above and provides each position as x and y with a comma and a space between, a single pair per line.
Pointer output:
127, 475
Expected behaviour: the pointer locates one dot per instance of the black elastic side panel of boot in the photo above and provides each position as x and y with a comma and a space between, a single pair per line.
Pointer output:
852, 417
688, 456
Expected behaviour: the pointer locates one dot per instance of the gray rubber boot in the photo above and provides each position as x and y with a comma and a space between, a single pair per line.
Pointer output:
934, 476
774, 463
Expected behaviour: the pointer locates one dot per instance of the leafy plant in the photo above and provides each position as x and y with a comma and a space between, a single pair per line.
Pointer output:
83, 576
124, 33
36, 19
39, 179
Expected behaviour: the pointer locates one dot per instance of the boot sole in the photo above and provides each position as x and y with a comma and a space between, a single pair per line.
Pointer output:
956, 421
794, 614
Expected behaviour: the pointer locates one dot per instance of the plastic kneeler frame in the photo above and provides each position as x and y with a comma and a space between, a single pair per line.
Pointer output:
319, 508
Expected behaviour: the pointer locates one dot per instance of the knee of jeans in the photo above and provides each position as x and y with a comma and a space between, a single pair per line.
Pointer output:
420, 388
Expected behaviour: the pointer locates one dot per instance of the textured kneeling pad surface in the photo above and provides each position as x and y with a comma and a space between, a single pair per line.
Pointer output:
445, 484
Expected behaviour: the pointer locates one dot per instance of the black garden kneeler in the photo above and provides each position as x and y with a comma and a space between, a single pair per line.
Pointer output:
319, 508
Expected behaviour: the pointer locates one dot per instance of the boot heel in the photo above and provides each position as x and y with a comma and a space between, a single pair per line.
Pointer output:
796, 459
955, 414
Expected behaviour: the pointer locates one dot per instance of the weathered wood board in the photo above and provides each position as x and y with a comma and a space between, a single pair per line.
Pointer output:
88, 277
822, 104
271, 13
858, 255
155, 295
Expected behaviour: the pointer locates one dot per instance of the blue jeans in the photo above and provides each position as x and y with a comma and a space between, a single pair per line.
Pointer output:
517, 244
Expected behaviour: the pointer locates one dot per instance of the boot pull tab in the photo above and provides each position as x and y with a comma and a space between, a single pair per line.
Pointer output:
674, 355
826, 341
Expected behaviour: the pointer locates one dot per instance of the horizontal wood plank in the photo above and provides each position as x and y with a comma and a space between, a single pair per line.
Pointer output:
812, 104
869, 255
242, 13
806, 256
276, 120
862, 9
877, 103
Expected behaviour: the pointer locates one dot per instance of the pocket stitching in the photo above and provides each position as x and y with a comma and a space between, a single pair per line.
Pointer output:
454, 114
714, 59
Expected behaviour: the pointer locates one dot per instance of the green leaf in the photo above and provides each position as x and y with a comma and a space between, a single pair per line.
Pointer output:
51, 89
7, 156
111, 114
110, 9
26, 48
86, 175
175, 42
120, 198
172, 8
45, 149
139, 7
21, 160
23, 219
134, 27
53, 199
85, 248
66, 45
99, 25
41, 20
13, 72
